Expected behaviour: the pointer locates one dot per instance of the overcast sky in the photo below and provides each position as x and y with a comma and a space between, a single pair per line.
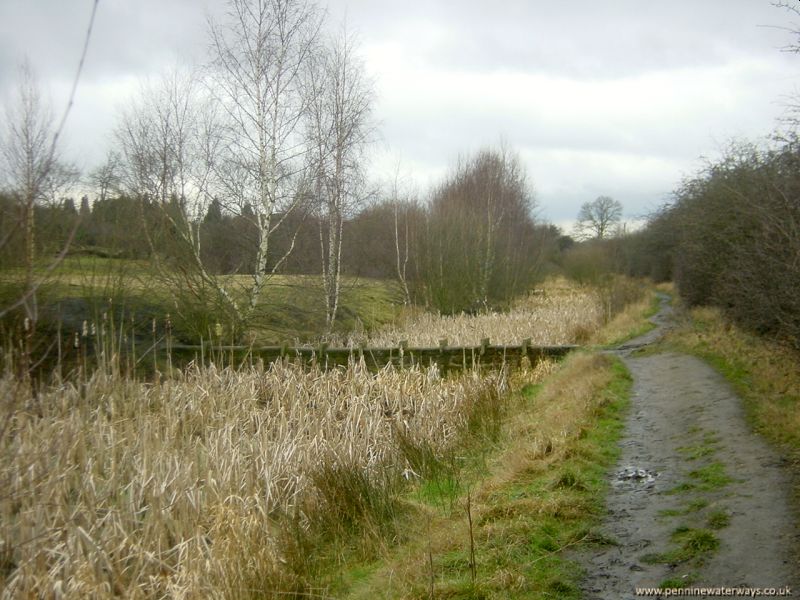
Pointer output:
603, 97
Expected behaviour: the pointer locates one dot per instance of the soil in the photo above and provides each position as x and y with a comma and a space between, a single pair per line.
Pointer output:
690, 460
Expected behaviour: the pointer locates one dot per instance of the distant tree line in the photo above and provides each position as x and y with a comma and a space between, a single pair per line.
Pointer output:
473, 245
254, 163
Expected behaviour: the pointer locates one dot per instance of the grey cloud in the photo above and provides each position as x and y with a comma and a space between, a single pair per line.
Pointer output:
585, 41
581, 38
128, 37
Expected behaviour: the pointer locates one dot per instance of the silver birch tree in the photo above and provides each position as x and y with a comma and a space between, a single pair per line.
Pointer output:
260, 52
340, 119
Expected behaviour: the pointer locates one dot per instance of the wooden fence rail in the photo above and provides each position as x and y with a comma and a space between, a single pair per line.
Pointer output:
446, 357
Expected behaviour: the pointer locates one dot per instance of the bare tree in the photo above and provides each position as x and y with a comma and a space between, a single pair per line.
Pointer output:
402, 208
597, 219
791, 7
480, 234
107, 177
28, 155
340, 124
32, 171
170, 142
260, 52
28, 150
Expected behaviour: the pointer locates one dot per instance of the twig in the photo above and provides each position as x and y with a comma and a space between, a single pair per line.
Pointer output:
561, 549
472, 566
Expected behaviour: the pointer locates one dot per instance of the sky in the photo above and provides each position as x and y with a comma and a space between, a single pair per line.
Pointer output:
607, 97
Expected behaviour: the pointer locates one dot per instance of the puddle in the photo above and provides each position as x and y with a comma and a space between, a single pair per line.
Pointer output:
636, 475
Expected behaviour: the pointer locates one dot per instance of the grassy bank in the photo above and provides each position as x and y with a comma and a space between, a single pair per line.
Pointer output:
537, 492
291, 307
630, 322
763, 372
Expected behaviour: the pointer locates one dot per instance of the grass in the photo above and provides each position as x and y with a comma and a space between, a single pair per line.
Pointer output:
271, 483
691, 546
710, 477
541, 494
678, 582
691, 507
719, 519
291, 308
704, 479
697, 452
763, 372
631, 322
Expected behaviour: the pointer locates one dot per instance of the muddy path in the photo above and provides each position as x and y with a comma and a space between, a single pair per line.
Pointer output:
697, 499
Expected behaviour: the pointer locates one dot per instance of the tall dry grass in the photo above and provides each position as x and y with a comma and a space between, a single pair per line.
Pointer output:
559, 313
222, 483
187, 488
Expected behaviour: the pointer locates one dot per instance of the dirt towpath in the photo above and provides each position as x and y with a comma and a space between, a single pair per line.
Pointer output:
697, 499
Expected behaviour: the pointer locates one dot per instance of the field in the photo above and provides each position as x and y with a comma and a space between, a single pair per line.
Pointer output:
248, 483
83, 288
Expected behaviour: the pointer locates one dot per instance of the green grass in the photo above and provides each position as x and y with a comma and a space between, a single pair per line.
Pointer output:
719, 519
522, 519
88, 293
710, 477
681, 488
694, 543
83, 287
697, 452
704, 479
690, 546
678, 582
691, 507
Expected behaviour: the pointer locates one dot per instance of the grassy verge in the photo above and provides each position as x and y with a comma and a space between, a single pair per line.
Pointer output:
631, 322
497, 529
762, 372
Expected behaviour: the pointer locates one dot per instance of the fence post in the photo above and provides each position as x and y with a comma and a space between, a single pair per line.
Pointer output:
524, 350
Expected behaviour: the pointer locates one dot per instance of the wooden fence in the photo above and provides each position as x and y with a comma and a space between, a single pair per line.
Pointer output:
446, 357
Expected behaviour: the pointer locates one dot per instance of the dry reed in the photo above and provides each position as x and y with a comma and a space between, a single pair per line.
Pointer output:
191, 487
179, 488
560, 313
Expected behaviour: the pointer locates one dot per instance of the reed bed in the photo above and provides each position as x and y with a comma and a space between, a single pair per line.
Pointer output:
558, 314
218, 483
185, 488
